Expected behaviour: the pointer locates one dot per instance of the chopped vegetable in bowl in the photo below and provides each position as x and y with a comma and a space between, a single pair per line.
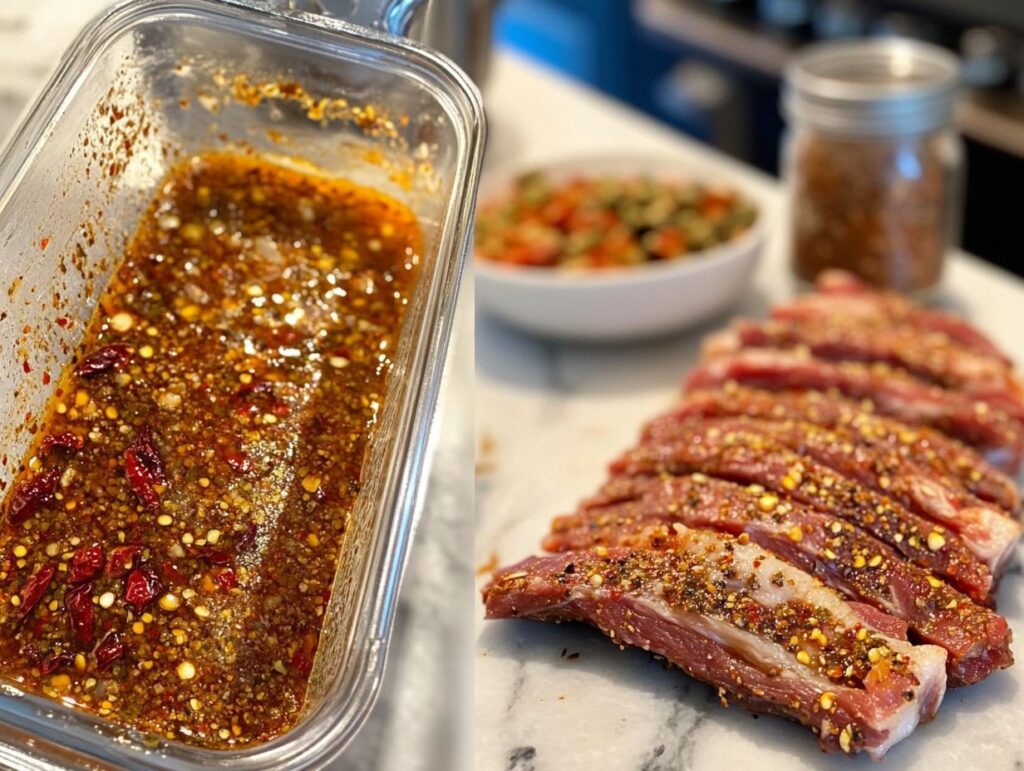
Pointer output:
604, 222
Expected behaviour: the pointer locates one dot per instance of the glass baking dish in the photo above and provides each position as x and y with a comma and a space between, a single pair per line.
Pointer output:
149, 83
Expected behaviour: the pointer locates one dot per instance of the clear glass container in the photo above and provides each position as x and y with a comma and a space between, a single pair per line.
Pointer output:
154, 81
872, 162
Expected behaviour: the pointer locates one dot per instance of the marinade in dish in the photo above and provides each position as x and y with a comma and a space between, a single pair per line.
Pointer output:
168, 551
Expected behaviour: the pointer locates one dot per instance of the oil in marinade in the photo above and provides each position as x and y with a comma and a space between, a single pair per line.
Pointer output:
170, 545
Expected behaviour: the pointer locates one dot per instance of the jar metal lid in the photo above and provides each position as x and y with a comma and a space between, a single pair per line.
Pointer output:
872, 87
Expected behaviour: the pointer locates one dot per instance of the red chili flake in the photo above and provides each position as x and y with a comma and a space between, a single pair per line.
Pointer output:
65, 440
55, 661
46, 378
238, 462
26, 366
63, 321
122, 559
32, 654
109, 650
226, 579
302, 659
141, 587
170, 574
86, 563
44, 242
143, 468
113, 356
32, 495
34, 589
217, 557
78, 603
250, 396
247, 539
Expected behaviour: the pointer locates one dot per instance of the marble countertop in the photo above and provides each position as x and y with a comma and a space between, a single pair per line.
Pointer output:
550, 416
423, 718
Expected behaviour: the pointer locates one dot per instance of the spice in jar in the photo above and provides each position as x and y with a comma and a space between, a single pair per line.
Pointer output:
872, 163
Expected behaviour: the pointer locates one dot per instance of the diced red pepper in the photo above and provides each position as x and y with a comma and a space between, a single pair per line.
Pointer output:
32, 495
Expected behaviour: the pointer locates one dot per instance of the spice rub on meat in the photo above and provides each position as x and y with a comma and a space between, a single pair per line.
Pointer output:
170, 548
758, 629
839, 448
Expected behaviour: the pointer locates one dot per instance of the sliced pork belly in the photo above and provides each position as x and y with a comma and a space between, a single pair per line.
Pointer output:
994, 433
925, 446
752, 458
763, 632
987, 532
842, 297
929, 356
843, 556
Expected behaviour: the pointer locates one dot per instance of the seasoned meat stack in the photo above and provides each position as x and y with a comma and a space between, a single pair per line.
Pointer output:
818, 528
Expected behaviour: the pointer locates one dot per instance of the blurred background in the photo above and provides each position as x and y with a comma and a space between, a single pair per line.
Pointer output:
713, 69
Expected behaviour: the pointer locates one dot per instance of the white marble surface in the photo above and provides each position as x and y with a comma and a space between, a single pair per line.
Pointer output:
551, 416
423, 719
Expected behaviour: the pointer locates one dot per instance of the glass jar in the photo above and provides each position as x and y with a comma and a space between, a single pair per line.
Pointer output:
872, 163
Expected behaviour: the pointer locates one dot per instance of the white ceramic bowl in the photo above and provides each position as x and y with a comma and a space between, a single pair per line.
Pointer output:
621, 303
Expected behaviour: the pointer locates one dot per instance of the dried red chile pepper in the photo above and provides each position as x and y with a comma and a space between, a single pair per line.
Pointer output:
141, 587
32, 495
113, 356
34, 589
110, 649
78, 604
65, 440
122, 559
55, 661
143, 468
85, 564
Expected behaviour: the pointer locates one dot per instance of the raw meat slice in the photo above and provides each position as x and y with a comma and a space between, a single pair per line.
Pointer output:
986, 531
843, 556
930, 356
752, 458
842, 296
763, 632
923, 445
991, 431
